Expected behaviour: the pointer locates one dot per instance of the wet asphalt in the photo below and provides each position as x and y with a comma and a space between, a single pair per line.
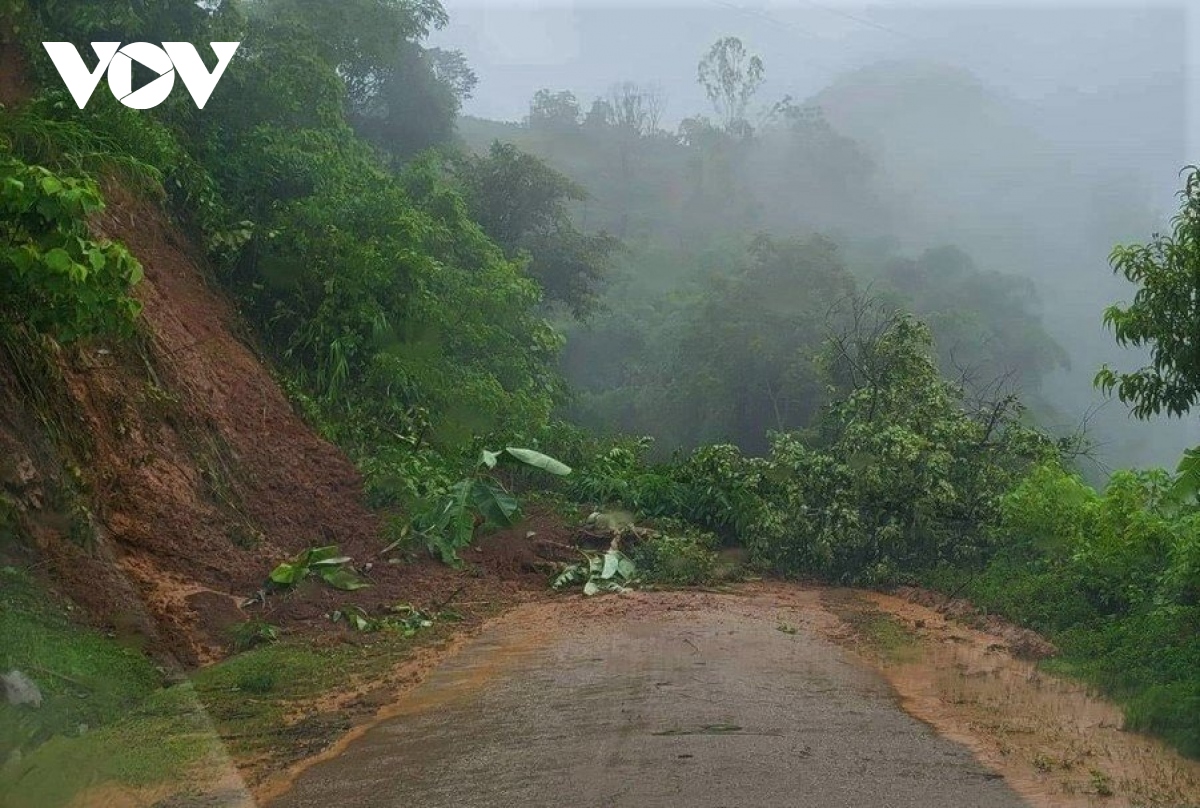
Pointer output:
708, 708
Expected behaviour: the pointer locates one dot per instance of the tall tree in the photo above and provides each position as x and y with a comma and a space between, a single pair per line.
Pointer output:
744, 357
359, 37
730, 77
522, 204
553, 111
636, 108
400, 95
415, 101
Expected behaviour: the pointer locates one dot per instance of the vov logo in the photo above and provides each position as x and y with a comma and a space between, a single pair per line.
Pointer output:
164, 62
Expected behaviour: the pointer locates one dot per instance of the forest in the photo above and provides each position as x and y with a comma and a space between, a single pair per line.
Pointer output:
709, 327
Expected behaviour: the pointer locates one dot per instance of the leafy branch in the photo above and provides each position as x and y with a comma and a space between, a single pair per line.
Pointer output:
476, 501
320, 562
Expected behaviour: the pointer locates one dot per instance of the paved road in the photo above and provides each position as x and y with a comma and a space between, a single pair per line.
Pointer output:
665, 701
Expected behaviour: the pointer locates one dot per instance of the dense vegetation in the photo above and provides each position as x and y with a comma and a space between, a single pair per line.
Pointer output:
838, 406
717, 222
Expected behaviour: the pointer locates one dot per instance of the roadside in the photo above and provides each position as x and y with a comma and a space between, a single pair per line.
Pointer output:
110, 728
247, 727
1055, 741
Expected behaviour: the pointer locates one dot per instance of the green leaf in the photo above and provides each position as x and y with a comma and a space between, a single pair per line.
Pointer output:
488, 459
539, 461
611, 563
288, 574
337, 561
495, 504
625, 567
341, 578
314, 555
567, 577
1187, 481
58, 260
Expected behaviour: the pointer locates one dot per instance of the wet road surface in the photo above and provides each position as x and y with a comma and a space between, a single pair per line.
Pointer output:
654, 701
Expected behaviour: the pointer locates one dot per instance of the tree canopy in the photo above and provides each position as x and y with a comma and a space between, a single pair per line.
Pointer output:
1164, 316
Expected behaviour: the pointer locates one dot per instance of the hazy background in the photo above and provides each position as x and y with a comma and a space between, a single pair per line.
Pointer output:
1034, 136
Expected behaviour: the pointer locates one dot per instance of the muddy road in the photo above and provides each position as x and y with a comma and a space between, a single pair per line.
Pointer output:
713, 701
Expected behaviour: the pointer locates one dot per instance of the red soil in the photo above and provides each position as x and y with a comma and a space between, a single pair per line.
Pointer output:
200, 476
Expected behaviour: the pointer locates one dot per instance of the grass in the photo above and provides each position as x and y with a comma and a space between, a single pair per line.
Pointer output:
251, 696
1147, 660
93, 724
263, 701
889, 637
107, 719
242, 706
86, 679
162, 740
881, 633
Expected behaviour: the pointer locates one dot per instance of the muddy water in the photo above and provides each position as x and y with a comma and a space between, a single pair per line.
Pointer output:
712, 701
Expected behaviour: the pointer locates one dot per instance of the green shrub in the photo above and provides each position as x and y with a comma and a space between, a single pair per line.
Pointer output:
1171, 711
54, 275
257, 682
677, 560
1111, 578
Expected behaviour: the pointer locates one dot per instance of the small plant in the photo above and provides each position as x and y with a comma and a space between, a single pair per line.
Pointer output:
403, 618
356, 617
612, 571
252, 633
480, 499
1101, 783
676, 561
322, 562
408, 620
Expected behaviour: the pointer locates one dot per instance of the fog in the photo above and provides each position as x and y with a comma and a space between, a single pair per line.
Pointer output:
1033, 137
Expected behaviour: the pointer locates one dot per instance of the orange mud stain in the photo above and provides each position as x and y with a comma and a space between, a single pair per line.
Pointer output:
1055, 742
523, 628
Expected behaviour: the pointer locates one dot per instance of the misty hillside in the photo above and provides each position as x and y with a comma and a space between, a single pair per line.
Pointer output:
967, 163
916, 155
1025, 193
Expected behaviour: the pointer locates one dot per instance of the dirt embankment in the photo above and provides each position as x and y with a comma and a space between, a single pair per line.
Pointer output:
160, 480
194, 470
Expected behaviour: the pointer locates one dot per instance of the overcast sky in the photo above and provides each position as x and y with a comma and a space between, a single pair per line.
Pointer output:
1032, 50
